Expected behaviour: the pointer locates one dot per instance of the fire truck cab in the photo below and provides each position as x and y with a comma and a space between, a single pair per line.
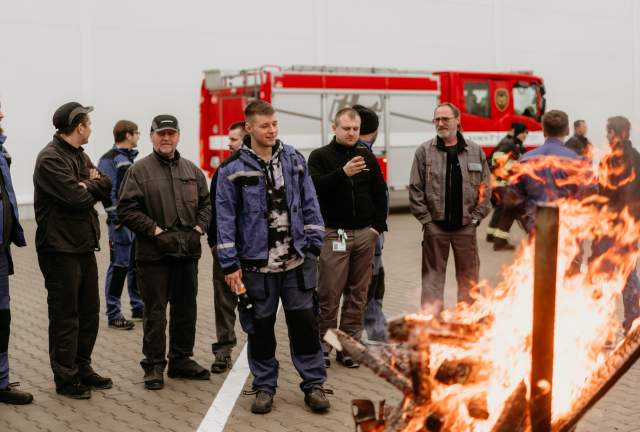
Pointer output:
306, 99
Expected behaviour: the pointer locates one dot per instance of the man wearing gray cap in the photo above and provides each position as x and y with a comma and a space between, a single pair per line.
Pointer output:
66, 188
164, 199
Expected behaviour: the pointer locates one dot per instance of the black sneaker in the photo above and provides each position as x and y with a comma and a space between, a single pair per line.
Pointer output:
121, 324
153, 379
74, 389
327, 360
316, 399
187, 369
12, 396
346, 360
221, 363
97, 382
263, 402
137, 315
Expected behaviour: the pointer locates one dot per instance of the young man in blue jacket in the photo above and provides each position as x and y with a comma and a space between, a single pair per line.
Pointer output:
115, 164
10, 232
269, 234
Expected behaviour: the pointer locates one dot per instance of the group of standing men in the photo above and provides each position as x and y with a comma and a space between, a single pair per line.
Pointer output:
279, 230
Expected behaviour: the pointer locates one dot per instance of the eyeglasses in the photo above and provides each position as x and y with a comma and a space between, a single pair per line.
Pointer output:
442, 119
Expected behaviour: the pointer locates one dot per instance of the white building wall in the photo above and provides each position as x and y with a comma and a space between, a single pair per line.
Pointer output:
137, 58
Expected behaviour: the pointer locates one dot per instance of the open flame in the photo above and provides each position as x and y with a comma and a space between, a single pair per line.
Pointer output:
477, 357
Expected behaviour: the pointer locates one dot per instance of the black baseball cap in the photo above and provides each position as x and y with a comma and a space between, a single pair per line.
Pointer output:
67, 113
163, 122
369, 118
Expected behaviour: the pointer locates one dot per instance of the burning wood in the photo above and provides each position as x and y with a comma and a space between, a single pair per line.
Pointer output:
470, 369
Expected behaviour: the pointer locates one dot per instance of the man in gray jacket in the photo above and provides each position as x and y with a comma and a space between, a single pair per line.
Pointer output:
449, 194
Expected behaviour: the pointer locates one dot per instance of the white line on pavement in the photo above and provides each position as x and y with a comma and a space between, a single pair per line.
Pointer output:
223, 404
220, 410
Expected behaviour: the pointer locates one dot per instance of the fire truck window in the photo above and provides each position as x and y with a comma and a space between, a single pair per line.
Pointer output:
299, 120
476, 98
525, 101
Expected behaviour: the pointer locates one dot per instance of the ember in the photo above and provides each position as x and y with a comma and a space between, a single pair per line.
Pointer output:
469, 369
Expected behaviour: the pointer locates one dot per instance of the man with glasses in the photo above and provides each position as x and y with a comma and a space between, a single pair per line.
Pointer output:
449, 195
115, 164
67, 186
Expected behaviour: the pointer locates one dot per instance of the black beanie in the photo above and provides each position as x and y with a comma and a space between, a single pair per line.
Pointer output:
369, 119
518, 128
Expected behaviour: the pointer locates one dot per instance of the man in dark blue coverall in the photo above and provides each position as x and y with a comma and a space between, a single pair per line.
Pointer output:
115, 164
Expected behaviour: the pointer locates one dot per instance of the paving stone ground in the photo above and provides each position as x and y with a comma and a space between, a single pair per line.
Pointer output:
182, 404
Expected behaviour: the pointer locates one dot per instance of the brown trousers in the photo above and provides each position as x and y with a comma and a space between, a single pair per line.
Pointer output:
435, 253
346, 274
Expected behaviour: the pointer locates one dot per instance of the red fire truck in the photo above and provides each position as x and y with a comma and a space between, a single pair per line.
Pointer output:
306, 99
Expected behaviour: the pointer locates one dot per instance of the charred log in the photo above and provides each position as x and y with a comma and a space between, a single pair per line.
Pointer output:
463, 371
514, 414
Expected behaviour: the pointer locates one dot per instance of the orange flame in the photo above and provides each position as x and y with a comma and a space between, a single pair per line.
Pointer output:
588, 293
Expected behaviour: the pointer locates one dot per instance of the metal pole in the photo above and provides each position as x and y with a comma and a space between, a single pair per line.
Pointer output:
544, 307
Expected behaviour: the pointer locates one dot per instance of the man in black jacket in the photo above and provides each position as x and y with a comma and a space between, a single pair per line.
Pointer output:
66, 188
224, 299
353, 200
579, 142
165, 200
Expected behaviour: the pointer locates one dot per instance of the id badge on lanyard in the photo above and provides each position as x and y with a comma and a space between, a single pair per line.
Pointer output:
340, 245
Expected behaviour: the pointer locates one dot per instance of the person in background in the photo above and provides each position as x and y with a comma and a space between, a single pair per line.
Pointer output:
503, 158
225, 300
115, 164
449, 194
11, 232
375, 323
579, 142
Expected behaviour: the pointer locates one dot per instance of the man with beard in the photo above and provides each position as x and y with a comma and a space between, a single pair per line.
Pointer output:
164, 200
11, 232
449, 195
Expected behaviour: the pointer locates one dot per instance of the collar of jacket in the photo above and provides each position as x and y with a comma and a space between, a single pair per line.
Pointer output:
166, 161
553, 141
3, 139
61, 143
340, 148
126, 151
247, 150
461, 145
367, 144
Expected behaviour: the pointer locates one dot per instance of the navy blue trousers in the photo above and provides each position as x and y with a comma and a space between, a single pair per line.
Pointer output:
121, 268
296, 289
5, 320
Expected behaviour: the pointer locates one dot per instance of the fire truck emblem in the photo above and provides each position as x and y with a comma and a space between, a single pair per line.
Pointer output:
501, 98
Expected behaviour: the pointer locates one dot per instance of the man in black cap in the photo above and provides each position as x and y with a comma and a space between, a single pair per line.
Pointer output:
66, 188
375, 322
165, 200
504, 157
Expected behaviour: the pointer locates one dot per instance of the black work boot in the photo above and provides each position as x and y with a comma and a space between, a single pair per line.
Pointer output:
153, 378
263, 402
74, 389
97, 382
221, 363
500, 244
121, 324
346, 360
316, 399
187, 369
12, 396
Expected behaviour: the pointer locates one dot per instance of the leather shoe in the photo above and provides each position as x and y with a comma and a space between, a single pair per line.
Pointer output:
12, 396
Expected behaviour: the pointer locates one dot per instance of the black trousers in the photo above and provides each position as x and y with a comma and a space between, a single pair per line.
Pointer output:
173, 281
73, 303
224, 306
